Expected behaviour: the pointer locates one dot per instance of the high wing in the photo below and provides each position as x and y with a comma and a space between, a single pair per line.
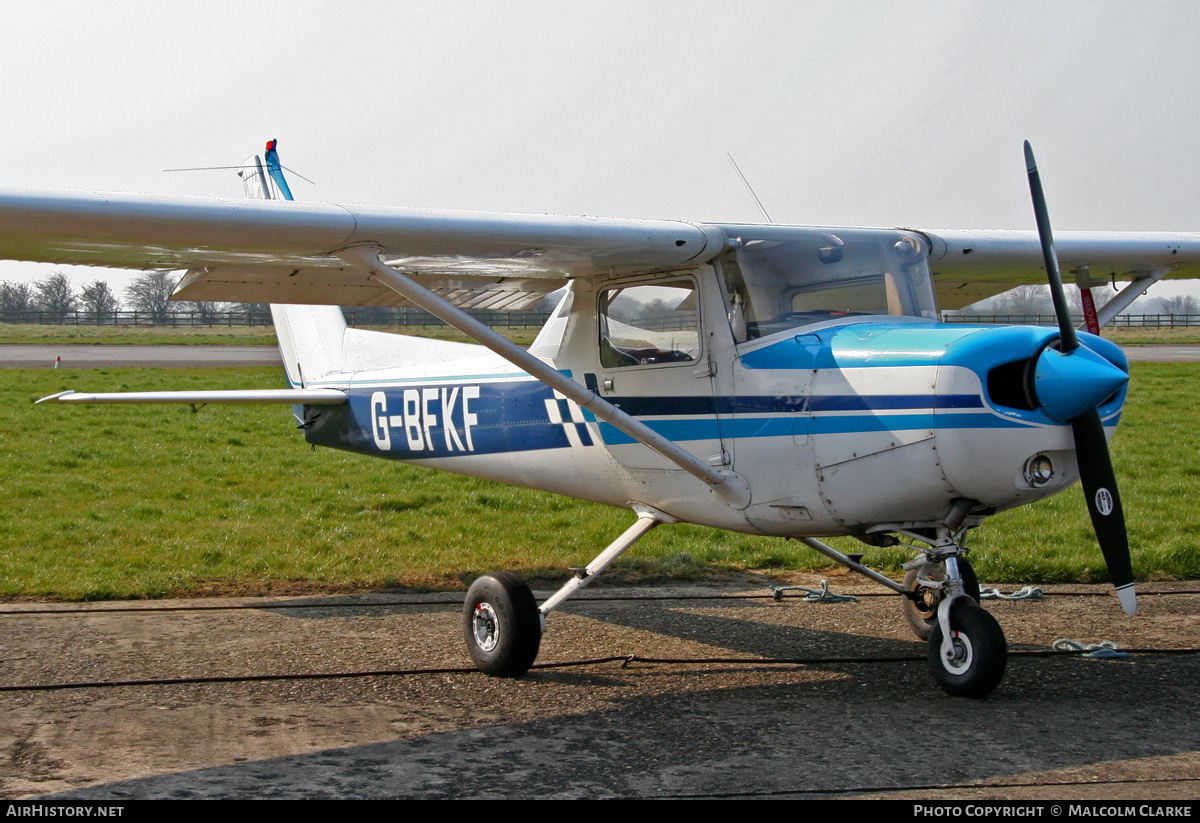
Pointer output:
286, 252
283, 251
969, 266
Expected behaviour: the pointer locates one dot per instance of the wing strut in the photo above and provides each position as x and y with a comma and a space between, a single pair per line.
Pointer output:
1124, 298
728, 486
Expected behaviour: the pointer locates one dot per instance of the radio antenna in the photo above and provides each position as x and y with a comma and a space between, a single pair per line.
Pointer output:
214, 168
746, 182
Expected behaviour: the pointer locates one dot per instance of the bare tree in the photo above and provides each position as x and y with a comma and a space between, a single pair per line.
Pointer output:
1144, 305
1024, 300
550, 301
207, 310
55, 295
151, 292
257, 314
99, 301
1100, 294
16, 297
1179, 304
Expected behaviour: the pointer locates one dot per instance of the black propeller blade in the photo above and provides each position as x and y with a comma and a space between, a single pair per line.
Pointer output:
1091, 445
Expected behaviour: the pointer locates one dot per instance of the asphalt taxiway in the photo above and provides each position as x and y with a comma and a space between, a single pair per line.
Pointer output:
1056, 728
107, 357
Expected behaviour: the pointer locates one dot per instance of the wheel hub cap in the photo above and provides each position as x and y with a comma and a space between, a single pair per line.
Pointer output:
958, 659
485, 627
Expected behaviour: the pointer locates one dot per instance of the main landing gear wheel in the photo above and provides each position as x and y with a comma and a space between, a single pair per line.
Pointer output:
922, 615
978, 655
502, 625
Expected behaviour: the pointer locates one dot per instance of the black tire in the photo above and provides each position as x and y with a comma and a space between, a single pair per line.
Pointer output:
502, 625
922, 616
981, 652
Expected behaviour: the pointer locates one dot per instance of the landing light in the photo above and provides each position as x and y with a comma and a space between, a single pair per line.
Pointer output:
1039, 470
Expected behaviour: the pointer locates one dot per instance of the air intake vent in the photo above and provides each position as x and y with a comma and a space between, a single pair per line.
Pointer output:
1011, 385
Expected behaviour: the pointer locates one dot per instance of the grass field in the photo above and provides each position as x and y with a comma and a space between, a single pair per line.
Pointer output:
13, 334
1150, 337
149, 501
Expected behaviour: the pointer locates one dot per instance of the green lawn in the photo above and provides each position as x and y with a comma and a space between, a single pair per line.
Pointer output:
14, 334
148, 501
1148, 337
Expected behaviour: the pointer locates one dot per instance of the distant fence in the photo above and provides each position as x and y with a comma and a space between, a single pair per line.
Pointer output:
135, 318
401, 317
406, 317
676, 321
419, 318
1121, 321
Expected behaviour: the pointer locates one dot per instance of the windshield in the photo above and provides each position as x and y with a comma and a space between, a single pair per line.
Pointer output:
779, 278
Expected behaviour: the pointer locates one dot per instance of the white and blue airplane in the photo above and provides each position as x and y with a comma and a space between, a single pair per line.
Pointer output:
767, 379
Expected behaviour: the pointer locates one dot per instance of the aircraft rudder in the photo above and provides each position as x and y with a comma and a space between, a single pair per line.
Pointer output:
310, 340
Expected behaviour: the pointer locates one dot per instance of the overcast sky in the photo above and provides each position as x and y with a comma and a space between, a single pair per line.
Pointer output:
869, 113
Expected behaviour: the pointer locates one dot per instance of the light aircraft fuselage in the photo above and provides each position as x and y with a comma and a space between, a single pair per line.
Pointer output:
840, 421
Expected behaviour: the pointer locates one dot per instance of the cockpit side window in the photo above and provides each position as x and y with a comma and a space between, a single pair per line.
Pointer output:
649, 324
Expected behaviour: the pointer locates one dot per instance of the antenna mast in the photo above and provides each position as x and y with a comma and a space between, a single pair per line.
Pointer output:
746, 182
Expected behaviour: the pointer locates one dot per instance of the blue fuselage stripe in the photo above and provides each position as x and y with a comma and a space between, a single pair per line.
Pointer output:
446, 420
749, 426
751, 404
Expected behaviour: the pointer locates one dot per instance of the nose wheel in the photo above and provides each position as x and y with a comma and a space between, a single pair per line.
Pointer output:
972, 663
502, 626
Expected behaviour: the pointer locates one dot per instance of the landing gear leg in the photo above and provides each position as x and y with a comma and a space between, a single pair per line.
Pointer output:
502, 621
967, 650
938, 573
927, 580
648, 518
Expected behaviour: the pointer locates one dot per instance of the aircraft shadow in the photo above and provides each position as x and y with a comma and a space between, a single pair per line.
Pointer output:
681, 619
749, 635
881, 728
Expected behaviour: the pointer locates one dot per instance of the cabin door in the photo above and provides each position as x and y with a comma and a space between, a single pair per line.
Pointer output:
657, 363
